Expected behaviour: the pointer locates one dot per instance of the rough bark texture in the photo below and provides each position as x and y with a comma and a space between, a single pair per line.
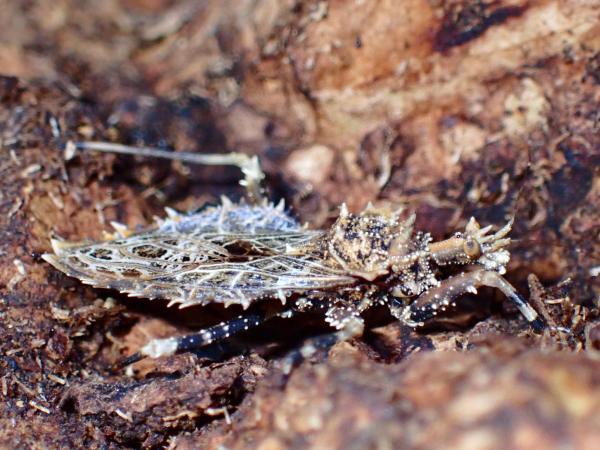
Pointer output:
487, 108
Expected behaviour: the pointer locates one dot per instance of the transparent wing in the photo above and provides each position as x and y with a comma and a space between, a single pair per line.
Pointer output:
213, 256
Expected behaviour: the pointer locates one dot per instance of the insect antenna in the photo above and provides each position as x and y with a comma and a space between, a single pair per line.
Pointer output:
249, 165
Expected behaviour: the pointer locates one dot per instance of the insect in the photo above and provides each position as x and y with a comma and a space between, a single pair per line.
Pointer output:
245, 253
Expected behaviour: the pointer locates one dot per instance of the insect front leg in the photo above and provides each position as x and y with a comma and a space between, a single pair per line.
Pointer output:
440, 298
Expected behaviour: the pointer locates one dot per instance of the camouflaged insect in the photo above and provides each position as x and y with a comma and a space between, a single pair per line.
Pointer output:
244, 253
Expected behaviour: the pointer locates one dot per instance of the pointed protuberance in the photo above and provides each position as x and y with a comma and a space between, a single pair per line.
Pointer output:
280, 206
438, 299
172, 214
344, 210
59, 246
121, 229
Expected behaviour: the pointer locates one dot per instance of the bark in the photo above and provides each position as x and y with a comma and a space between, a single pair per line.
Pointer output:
486, 109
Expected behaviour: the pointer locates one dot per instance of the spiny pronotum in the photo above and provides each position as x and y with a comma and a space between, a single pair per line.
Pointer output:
245, 253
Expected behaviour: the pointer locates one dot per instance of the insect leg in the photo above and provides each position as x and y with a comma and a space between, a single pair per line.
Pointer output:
249, 165
437, 299
169, 346
353, 327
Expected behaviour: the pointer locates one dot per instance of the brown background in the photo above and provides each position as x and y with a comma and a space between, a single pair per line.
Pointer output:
488, 108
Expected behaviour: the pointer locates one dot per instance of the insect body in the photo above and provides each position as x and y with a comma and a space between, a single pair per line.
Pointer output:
241, 254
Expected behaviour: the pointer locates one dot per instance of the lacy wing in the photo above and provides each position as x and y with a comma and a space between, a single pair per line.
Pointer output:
202, 267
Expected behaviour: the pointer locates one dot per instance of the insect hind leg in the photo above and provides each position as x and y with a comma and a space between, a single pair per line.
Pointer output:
172, 345
442, 297
249, 165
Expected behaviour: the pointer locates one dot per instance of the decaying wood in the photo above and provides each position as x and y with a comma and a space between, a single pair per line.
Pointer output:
450, 108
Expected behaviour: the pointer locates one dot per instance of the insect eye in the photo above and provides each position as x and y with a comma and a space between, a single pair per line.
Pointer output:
472, 248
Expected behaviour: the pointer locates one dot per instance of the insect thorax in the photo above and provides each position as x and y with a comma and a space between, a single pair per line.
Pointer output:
366, 245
